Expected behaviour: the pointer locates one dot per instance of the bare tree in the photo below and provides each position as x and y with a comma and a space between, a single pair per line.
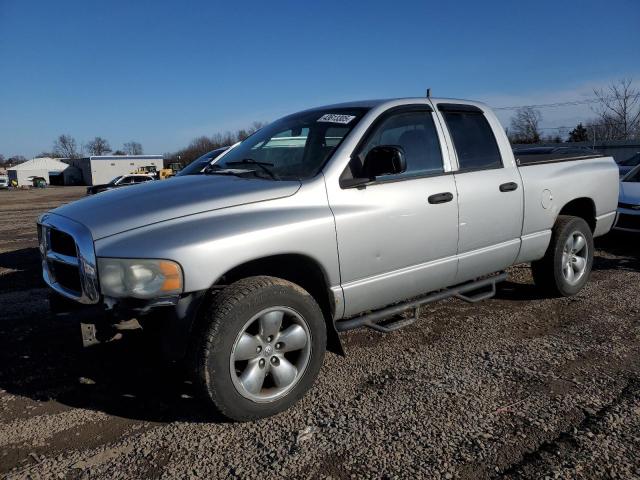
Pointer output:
525, 126
201, 145
98, 146
618, 111
133, 148
15, 160
65, 147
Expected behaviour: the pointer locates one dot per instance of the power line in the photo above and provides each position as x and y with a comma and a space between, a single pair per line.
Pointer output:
564, 104
550, 105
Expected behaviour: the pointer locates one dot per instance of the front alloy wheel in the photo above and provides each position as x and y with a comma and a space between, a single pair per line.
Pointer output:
270, 354
259, 347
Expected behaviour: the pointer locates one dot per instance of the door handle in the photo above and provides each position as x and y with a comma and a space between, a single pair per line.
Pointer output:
441, 197
508, 187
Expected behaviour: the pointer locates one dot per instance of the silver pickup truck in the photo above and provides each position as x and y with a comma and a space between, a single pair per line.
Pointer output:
330, 219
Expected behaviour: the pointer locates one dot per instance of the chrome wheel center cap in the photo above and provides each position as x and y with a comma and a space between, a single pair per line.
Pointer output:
268, 350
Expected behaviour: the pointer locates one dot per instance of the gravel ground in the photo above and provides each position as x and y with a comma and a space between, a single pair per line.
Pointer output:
519, 386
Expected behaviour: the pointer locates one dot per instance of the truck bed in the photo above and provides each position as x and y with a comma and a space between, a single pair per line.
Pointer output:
524, 159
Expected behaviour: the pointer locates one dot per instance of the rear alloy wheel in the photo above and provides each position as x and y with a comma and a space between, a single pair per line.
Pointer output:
575, 257
260, 347
566, 266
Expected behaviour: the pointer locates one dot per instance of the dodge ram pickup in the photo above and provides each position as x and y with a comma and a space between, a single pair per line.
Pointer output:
329, 219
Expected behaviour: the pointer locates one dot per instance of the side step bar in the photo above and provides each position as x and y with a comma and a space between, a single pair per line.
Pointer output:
465, 291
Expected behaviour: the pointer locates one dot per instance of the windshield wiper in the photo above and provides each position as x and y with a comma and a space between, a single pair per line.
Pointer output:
263, 165
218, 170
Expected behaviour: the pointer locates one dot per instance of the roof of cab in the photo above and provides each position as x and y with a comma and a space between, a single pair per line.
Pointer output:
396, 101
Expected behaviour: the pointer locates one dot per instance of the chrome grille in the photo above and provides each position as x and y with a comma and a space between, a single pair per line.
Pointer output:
62, 243
68, 258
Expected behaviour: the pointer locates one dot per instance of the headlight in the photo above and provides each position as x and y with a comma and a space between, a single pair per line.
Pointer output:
123, 277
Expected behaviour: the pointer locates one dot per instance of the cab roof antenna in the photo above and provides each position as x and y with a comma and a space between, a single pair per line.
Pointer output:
428, 93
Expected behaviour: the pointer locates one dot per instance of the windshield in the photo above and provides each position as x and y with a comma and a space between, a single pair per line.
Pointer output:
633, 176
196, 167
294, 147
115, 180
631, 162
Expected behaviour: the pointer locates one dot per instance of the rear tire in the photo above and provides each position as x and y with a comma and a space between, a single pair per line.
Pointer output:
566, 266
260, 348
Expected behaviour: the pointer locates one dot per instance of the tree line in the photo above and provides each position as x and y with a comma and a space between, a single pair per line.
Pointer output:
203, 144
65, 146
616, 117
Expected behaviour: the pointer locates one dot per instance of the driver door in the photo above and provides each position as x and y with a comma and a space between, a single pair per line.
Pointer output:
398, 236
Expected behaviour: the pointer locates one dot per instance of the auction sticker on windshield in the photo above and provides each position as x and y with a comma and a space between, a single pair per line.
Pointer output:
336, 118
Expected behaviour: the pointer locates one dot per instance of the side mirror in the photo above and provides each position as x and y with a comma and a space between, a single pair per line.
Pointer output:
384, 160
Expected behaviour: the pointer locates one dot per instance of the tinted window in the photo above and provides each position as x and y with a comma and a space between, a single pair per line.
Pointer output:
416, 134
473, 139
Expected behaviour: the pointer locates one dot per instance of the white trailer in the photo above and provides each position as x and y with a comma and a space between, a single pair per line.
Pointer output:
100, 169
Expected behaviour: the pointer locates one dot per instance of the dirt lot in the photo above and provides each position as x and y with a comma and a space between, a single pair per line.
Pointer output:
519, 386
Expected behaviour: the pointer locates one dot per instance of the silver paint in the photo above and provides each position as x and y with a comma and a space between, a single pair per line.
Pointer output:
375, 245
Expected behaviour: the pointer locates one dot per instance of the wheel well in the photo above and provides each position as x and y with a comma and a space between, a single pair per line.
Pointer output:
583, 208
301, 270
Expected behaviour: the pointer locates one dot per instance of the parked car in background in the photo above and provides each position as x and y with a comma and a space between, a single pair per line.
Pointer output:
121, 181
326, 220
625, 166
628, 218
4, 182
199, 164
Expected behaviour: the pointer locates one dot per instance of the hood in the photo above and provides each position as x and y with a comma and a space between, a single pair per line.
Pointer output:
630, 192
122, 209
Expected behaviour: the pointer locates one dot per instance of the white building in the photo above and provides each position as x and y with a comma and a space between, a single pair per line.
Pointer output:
97, 170
53, 171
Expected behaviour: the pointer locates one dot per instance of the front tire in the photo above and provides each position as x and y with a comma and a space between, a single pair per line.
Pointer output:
260, 347
567, 264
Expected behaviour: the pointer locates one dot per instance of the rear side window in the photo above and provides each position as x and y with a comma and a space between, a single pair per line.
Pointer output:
473, 139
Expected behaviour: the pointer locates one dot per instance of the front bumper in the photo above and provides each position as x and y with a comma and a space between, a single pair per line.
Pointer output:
173, 318
69, 268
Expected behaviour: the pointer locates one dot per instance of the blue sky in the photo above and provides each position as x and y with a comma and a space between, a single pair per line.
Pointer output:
161, 72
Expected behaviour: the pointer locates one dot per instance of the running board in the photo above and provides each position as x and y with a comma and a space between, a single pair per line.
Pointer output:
379, 320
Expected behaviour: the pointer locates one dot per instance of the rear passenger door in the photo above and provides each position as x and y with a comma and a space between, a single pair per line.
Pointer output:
397, 236
490, 194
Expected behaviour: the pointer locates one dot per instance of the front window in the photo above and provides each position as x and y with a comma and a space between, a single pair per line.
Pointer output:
115, 180
294, 147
